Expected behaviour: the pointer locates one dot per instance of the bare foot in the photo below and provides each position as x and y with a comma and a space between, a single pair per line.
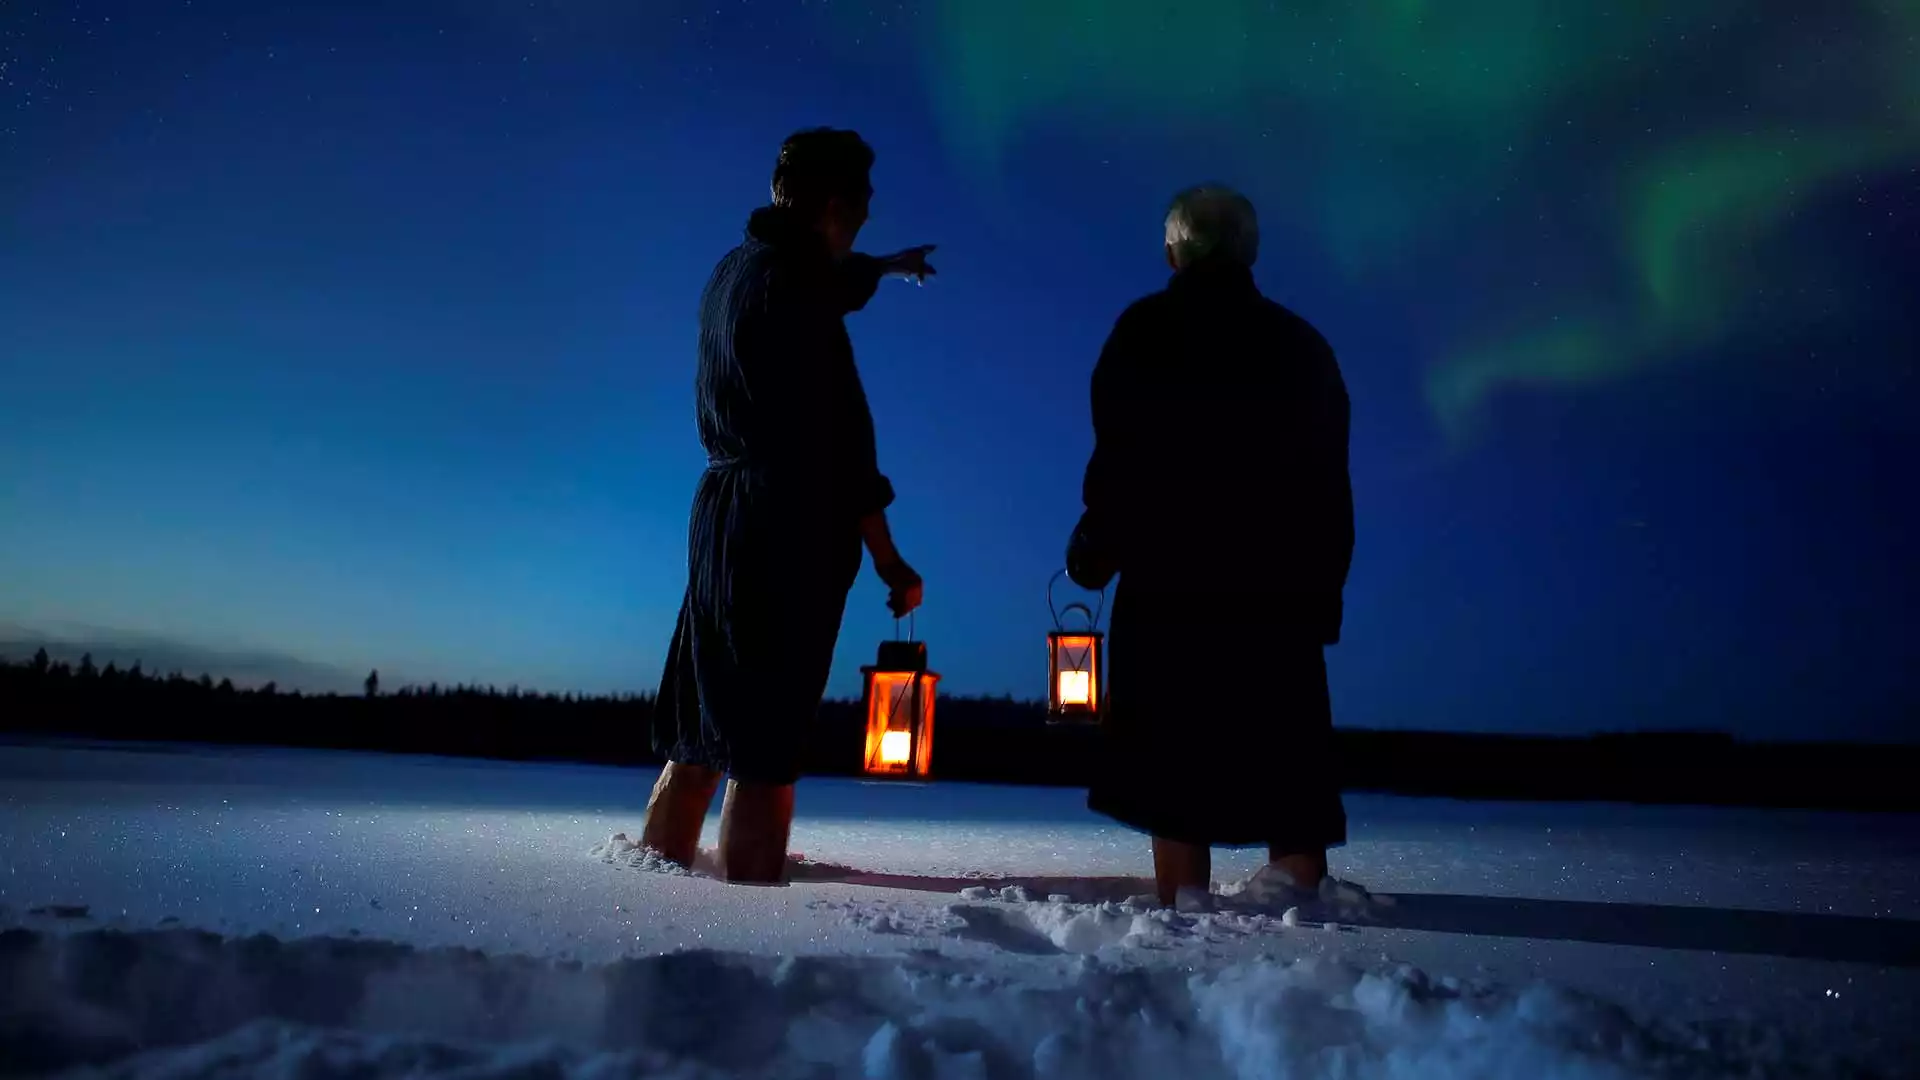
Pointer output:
1307, 869
755, 823
677, 810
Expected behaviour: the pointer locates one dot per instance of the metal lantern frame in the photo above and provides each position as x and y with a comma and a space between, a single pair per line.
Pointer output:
896, 701
1090, 644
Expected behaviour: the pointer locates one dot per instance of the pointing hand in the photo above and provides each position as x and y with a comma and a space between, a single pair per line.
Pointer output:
910, 263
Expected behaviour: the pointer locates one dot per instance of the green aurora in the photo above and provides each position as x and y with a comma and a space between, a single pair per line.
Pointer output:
1692, 129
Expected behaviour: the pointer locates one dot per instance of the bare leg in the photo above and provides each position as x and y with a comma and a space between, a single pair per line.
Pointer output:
677, 809
1177, 864
755, 823
1306, 868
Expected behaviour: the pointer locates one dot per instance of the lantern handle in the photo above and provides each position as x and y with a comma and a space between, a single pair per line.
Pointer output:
1092, 614
910, 629
1092, 619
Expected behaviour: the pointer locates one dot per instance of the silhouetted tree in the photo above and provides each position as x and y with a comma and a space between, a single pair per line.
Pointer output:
995, 738
373, 683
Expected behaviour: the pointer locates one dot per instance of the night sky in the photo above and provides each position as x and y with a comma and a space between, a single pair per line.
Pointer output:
363, 333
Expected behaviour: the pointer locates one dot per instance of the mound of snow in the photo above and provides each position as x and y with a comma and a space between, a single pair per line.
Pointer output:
186, 1004
618, 850
629, 854
1272, 891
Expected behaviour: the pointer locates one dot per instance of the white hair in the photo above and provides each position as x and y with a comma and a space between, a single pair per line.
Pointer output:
1212, 219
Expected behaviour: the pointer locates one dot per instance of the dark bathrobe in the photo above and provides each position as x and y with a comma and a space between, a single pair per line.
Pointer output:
773, 544
1218, 490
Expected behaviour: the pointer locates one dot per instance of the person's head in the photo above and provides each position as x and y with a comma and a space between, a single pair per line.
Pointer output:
823, 175
1212, 222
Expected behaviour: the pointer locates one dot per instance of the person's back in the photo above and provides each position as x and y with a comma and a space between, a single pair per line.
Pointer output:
1218, 405
777, 390
1218, 490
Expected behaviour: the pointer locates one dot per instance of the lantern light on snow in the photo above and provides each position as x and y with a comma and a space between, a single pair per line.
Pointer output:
1074, 690
898, 702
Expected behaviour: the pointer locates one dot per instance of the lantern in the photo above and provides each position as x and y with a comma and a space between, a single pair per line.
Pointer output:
1074, 690
898, 702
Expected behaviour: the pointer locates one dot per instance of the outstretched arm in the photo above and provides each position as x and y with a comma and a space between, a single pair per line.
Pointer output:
860, 274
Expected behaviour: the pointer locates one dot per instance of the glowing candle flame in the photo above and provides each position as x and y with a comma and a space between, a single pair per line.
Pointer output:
1076, 687
895, 748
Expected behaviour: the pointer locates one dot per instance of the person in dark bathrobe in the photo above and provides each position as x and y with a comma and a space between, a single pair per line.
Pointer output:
791, 492
1218, 492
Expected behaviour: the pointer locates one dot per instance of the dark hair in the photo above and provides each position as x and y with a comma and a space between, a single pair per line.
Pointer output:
820, 164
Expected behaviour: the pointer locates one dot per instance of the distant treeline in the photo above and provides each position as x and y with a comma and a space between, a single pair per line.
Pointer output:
980, 739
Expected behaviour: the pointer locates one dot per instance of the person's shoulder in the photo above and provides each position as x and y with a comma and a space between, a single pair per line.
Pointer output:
742, 288
1289, 321
1147, 311
1160, 301
1294, 327
732, 261
749, 267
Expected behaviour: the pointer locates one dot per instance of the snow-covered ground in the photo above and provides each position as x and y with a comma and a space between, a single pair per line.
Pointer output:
194, 913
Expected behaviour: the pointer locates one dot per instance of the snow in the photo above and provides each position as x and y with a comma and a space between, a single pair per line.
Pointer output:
189, 912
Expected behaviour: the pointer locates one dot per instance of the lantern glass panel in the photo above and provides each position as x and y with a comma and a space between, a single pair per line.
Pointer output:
1076, 672
899, 722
